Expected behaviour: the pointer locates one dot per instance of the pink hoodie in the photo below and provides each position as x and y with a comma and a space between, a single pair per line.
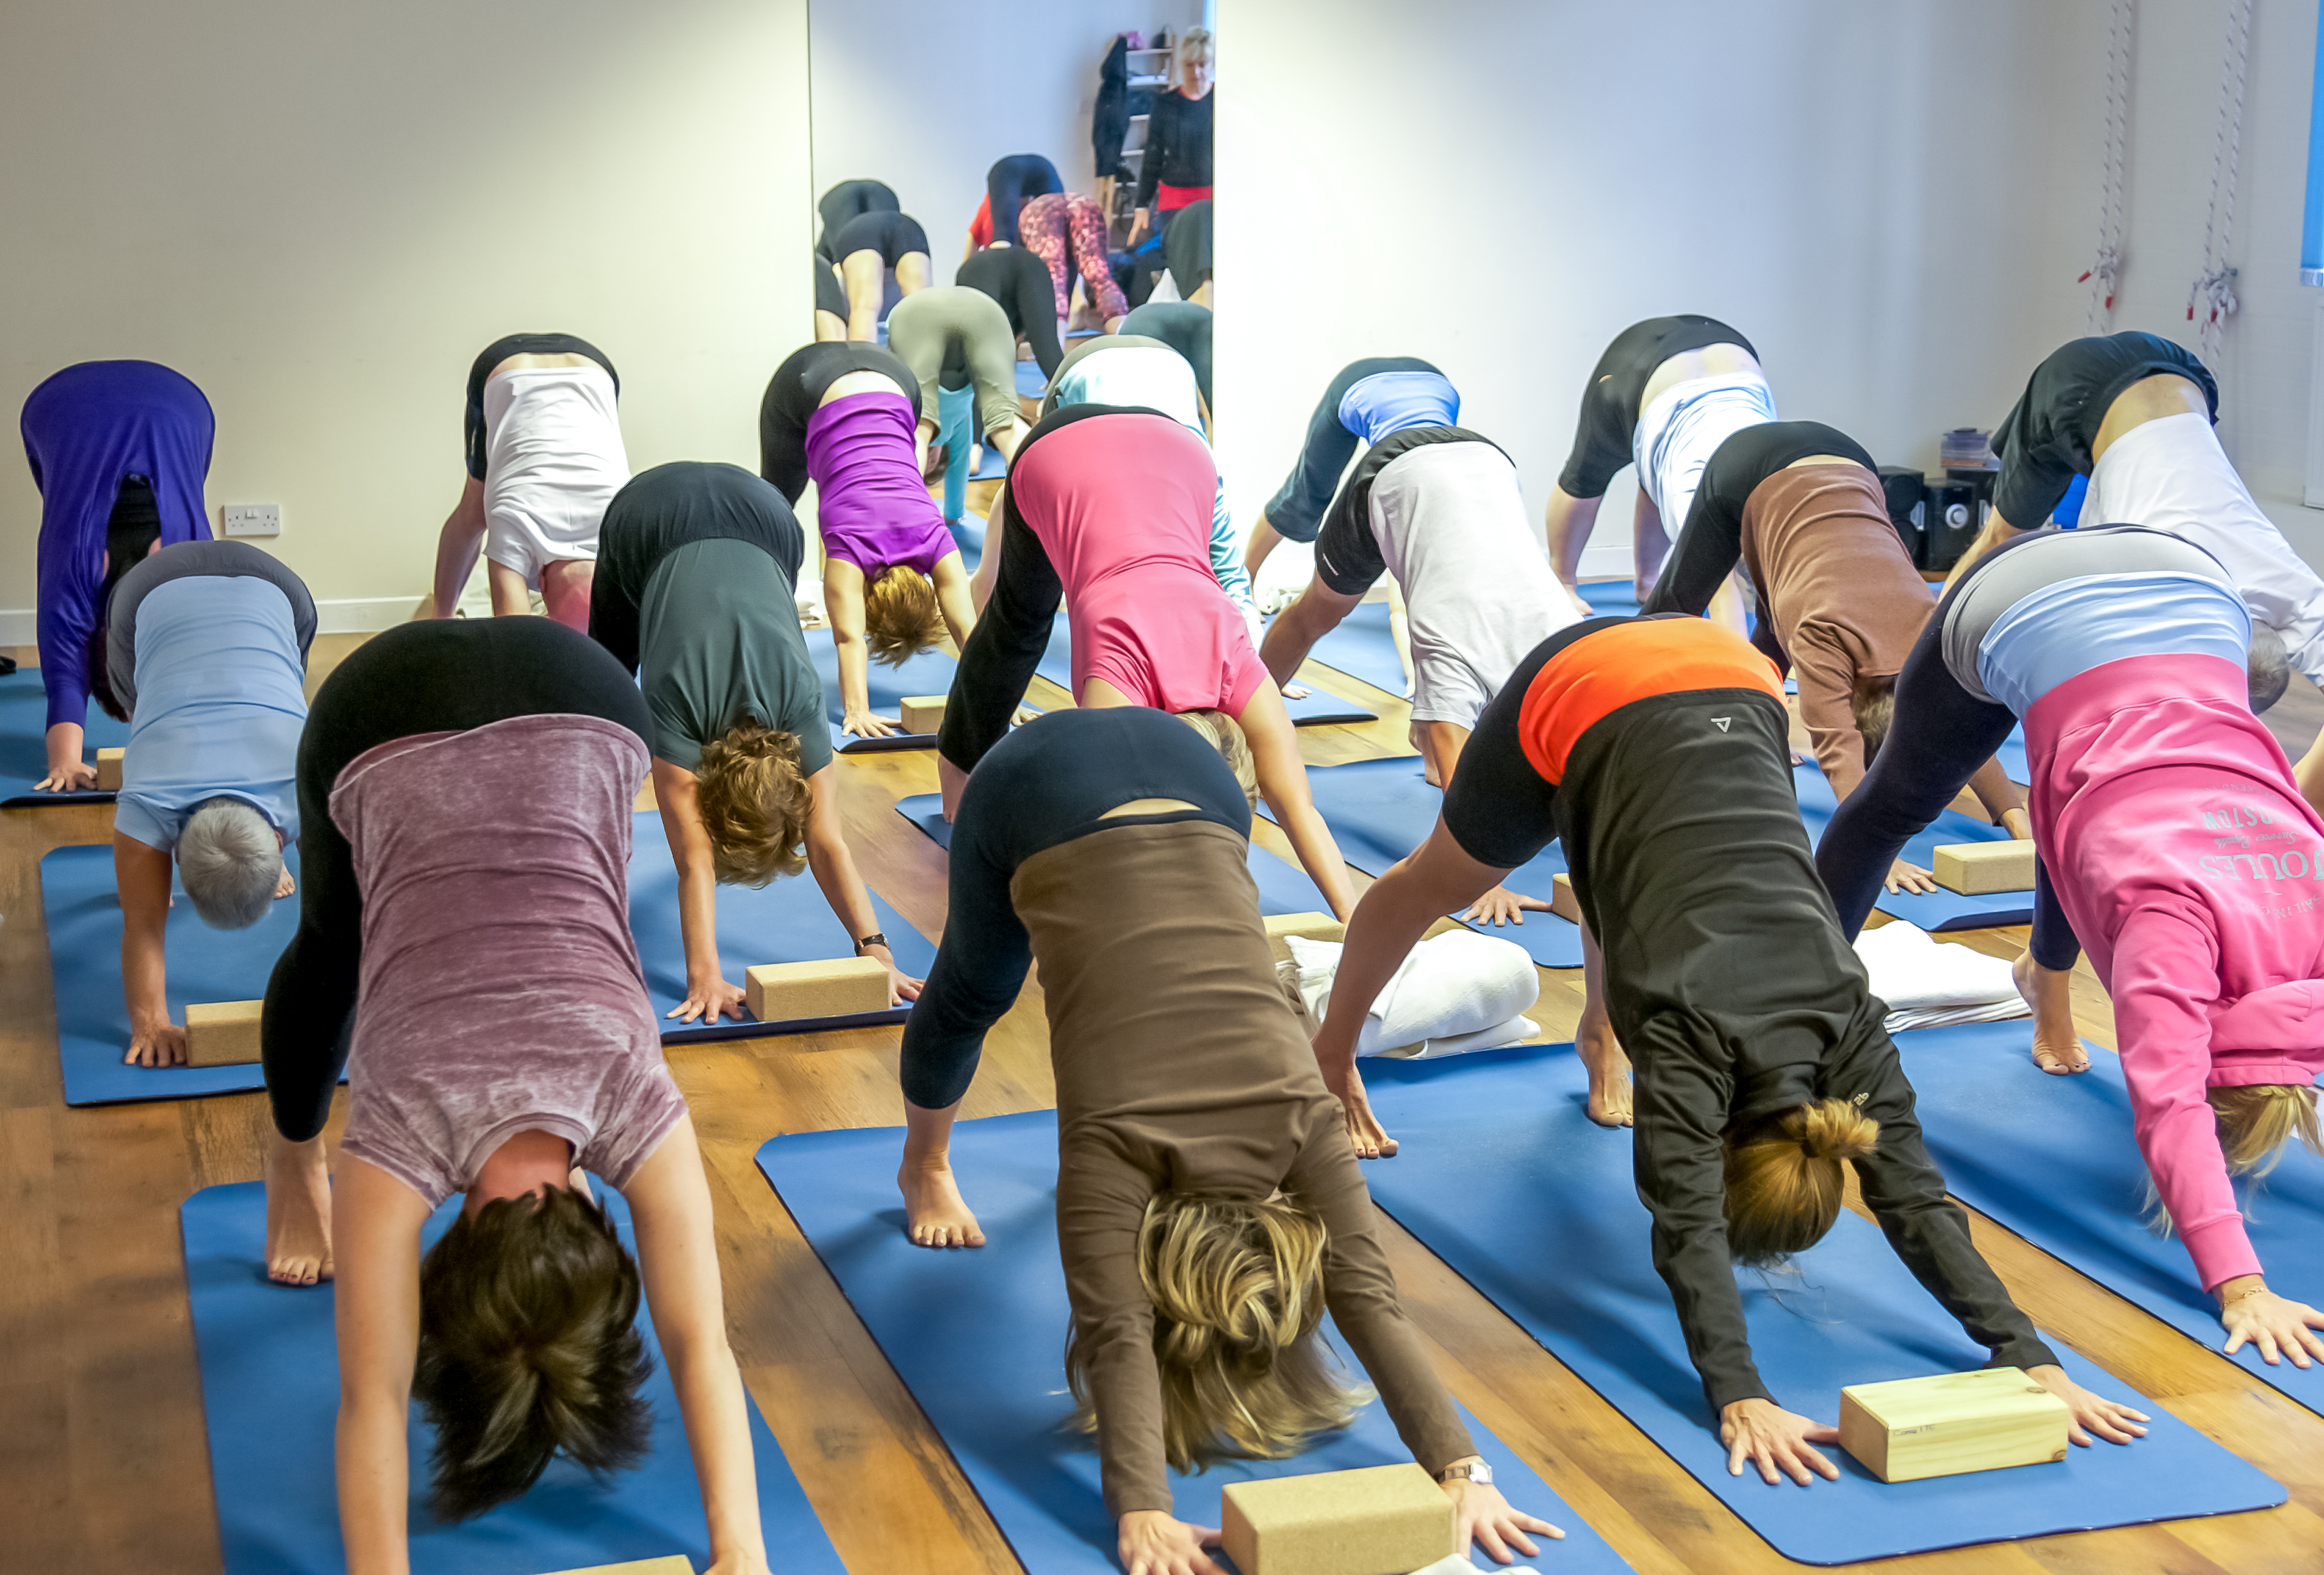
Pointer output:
2192, 871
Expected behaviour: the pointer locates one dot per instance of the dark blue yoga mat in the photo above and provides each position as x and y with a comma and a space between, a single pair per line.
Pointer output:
1282, 888
928, 673
1363, 648
24, 746
82, 909
270, 1399
1320, 707
1381, 810
2054, 1160
1502, 1175
979, 1339
787, 922
1938, 910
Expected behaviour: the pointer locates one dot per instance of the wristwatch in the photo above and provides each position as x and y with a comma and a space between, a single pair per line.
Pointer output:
864, 942
1477, 1471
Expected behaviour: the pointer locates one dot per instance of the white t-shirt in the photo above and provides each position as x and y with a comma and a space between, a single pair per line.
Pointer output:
1451, 523
2172, 475
553, 460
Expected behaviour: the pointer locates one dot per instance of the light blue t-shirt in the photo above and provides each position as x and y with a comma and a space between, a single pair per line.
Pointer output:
1390, 401
2063, 630
220, 706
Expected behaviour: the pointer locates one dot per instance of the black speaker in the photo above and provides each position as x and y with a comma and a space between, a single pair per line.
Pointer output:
1952, 523
1907, 509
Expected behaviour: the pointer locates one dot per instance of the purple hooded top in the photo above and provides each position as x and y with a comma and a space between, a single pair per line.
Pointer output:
86, 430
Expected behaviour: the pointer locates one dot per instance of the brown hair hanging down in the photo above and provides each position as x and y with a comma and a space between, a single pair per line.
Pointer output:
1237, 1285
1872, 698
900, 615
1784, 1179
528, 1348
755, 804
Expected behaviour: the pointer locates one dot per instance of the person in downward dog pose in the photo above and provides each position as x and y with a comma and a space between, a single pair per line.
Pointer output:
1656, 749
1183, 326
2175, 844
1208, 1205
1666, 392
2135, 413
864, 249
119, 450
1067, 231
845, 416
1109, 510
545, 456
696, 596
206, 657
1840, 604
1019, 284
1367, 402
501, 1043
957, 330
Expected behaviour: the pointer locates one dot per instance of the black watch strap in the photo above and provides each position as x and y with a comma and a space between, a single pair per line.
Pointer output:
865, 942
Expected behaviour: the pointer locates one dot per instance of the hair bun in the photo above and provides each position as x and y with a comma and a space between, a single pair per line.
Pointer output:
1835, 1129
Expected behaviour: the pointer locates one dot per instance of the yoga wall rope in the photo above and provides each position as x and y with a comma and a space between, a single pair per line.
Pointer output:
2108, 264
2212, 301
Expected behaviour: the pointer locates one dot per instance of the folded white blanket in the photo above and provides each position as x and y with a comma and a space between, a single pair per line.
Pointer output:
1460, 991
1932, 984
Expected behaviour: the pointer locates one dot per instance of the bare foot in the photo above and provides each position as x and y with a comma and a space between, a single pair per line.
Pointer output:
298, 1211
935, 1213
1609, 1072
2057, 1048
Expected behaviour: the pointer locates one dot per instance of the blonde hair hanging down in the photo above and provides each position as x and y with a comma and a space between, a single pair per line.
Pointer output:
2257, 1123
1225, 735
1784, 1179
755, 803
901, 615
1237, 1285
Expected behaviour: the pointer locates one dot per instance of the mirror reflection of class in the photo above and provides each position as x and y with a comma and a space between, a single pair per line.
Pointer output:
991, 242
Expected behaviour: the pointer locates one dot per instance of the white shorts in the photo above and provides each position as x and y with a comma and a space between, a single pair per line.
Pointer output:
1678, 432
553, 460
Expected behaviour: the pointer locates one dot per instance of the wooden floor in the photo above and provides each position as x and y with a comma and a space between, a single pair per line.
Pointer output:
103, 1461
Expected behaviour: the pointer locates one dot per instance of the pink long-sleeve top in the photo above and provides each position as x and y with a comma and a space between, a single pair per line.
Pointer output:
2193, 873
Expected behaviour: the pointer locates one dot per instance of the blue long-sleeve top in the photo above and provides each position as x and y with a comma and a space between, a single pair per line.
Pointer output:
86, 430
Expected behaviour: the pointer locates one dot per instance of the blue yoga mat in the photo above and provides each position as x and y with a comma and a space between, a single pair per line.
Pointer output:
1363, 648
25, 746
928, 673
1502, 1175
979, 1339
1321, 705
270, 1399
787, 922
2012, 755
1031, 384
1379, 811
1282, 888
1611, 597
83, 914
1988, 1111
1939, 910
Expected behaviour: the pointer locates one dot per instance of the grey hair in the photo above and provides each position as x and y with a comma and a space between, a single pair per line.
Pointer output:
230, 861
2269, 668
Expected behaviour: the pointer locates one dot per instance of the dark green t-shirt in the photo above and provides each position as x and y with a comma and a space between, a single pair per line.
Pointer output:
720, 640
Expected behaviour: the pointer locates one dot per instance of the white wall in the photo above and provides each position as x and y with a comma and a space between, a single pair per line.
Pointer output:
925, 94
321, 213
1892, 202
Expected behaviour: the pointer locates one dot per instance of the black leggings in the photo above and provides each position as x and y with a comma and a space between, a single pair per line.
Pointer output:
1940, 735
1049, 782
1296, 510
1618, 385
850, 199
1010, 634
500, 351
797, 390
830, 294
437, 676
1183, 326
1008, 184
894, 235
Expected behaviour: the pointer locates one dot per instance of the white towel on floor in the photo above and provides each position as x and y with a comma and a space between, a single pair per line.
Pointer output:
1932, 984
1458, 992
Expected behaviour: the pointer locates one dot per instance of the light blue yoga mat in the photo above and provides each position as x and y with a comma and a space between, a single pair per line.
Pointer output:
1502, 1175
978, 1335
271, 1400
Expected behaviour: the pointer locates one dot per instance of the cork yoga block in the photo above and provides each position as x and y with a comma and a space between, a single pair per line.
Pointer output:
222, 1033
1307, 926
1950, 1423
674, 1564
108, 771
922, 713
1383, 1520
839, 987
1562, 900
1974, 869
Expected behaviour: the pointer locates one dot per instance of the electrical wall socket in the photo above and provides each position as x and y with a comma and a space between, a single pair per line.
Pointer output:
252, 519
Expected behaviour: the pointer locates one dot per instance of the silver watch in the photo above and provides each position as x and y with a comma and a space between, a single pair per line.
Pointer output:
1480, 1473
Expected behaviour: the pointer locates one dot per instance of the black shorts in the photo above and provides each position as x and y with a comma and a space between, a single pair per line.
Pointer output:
830, 294
2044, 442
1610, 405
500, 351
795, 392
843, 202
894, 235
